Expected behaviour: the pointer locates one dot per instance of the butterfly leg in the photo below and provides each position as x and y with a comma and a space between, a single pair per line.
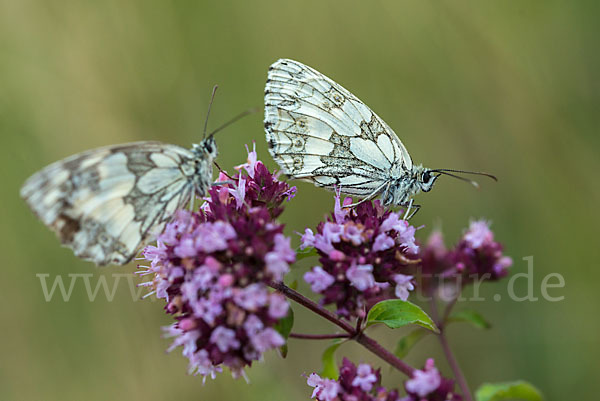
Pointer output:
216, 184
369, 197
407, 214
192, 198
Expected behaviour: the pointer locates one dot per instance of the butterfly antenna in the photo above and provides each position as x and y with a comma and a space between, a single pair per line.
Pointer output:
474, 183
236, 118
209, 107
223, 171
444, 170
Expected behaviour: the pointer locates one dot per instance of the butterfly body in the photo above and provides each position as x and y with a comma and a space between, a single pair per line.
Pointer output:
402, 187
320, 132
105, 203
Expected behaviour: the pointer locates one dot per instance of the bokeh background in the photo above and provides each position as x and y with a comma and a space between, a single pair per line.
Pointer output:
509, 87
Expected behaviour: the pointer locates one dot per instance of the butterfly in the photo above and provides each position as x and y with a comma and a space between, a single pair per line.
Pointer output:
106, 203
320, 132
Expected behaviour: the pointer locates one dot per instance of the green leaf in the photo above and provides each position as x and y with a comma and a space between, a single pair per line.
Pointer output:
283, 350
306, 254
284, 325
396, 313
517, 390
409, 341
293, 285
470, 316
330, 369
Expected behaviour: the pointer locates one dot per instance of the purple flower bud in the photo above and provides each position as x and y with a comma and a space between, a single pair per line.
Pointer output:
337, 255
393, 222
332, 232
178, 226
224, 338
318, 279
253, 325
361, 277
283, 248
250, 165
252, 297
365, 378
267, 339
353, 234
291, 193
478, 234
501, 267
338, 212
424, 382
211, 237
239, 193
185, 248
323, 244
308, 239
156, 254
278, 306
403, 286
383, 242
429, 385
325, 389
276, 265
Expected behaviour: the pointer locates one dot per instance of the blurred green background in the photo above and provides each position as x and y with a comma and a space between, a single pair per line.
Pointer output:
509, 87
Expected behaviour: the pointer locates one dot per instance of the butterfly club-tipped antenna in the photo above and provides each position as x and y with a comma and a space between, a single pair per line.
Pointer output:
235, 119
448, 172
227, 124
212, 98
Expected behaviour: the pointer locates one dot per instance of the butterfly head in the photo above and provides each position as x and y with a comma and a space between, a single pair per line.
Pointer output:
206, 149
209, 145
425, 178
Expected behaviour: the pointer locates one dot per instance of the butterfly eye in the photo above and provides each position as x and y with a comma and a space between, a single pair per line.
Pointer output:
426, 176
208, 147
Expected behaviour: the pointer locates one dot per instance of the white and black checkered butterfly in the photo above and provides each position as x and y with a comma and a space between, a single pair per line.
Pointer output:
105, 203
320, 132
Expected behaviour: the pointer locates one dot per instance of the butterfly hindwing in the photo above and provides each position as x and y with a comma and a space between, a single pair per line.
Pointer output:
104, 203
319, 131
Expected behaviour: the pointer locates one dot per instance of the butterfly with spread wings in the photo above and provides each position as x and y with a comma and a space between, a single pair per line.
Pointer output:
320, 132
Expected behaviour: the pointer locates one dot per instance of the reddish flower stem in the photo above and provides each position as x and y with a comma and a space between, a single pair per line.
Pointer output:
353, 334
384, 354
460, 378
319, 336
307, 303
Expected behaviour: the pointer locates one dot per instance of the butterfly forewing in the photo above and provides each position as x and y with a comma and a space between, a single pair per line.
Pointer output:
319, 131
105, 203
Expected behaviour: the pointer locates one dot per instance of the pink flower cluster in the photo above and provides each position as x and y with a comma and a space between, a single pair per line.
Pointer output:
477, 256
355, 383
429, 385
363, 383
212, 268
364, 253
